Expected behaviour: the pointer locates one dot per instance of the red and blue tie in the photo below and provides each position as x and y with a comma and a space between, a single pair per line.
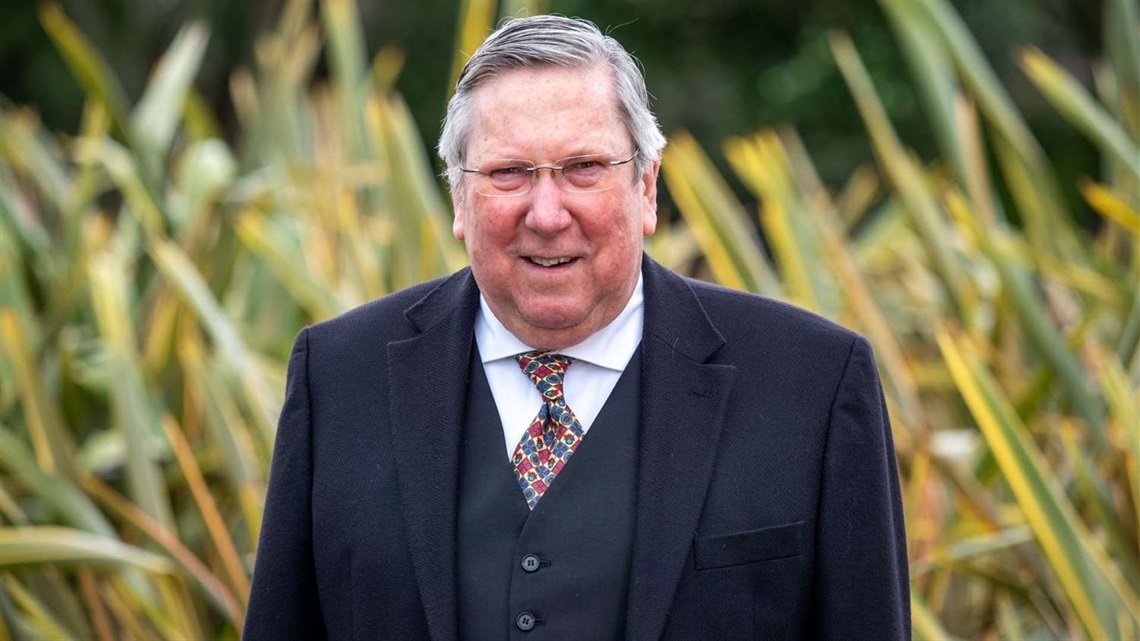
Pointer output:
553, 435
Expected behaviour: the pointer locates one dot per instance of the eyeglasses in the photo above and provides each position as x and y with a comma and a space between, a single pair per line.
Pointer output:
513, 177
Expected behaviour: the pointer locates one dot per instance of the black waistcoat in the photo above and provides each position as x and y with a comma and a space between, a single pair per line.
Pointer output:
581, 531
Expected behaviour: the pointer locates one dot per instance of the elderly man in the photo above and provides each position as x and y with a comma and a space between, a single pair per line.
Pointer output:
568, 441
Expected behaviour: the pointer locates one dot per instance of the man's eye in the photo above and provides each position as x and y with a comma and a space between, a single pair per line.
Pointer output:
506, 173
584, 165
583, 169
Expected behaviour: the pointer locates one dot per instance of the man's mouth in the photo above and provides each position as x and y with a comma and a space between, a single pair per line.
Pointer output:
549, 262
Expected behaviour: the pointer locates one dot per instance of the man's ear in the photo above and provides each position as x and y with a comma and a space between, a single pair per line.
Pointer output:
458, 205
649, 199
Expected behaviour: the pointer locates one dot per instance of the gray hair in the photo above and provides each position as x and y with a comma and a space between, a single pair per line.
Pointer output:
543, 41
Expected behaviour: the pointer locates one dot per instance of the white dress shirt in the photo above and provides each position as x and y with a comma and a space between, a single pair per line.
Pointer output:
598, 363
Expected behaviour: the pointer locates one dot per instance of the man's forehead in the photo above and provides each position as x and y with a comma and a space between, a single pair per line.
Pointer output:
535, 95
521, 78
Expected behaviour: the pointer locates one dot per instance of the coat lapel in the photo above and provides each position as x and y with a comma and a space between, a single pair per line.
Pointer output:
683, 401
427, 397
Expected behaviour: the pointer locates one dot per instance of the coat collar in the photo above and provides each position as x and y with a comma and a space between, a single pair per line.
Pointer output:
683, 401
427, 396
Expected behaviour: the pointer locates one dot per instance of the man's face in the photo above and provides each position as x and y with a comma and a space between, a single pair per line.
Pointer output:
543, 115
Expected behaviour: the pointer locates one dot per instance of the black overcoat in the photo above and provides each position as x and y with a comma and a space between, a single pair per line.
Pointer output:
768, 501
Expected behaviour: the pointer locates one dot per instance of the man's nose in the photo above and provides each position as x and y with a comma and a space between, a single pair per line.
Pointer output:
546, 214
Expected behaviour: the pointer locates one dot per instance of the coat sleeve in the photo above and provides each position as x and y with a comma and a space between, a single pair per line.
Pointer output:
283, 601
861, 587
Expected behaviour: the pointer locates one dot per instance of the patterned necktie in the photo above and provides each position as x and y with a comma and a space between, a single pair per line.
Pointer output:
553, 435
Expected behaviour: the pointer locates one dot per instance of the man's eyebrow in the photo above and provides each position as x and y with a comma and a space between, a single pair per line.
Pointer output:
583, 152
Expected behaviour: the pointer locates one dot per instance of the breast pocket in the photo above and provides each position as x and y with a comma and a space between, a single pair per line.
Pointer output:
739, 548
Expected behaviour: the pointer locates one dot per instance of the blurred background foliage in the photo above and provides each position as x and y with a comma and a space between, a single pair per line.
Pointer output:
753, 63
184, 185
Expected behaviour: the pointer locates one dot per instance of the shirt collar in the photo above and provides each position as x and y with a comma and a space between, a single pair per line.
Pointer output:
610, 347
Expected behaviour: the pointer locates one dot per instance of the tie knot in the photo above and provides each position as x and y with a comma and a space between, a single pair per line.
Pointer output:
545, 371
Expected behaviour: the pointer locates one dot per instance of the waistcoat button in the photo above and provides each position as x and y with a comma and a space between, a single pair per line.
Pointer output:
530, 563
525, 621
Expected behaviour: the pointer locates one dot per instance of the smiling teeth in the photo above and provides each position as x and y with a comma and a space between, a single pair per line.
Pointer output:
548, 262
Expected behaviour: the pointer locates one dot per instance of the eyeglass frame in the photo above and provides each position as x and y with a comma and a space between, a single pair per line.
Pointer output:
534, 168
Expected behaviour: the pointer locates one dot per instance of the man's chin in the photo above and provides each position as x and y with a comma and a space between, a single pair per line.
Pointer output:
552, 328
552, 321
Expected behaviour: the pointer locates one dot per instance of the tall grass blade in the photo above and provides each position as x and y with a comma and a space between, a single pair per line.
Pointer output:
1081, 109
1034, 319
39, 545
87, 64
1047, 220
228, 432
350, 72
124, 170
278, 248
15, 299
52, 444
978, 182
1124, 401
933, 71
89, 590
476, 19
132, 407
900, 169
19, 228
204, 172
38, 618
1123, 46
177, 619
215, 590
131, 619
160, 615
926, 625
30, 150
1112, 206
716, 218
208, 508
177, 269
65, 500
1096, 592
762, 163
417, 192
158, 112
